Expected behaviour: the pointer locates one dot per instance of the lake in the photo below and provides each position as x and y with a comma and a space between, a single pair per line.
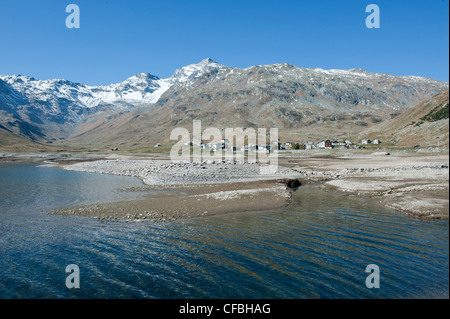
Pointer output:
317, 247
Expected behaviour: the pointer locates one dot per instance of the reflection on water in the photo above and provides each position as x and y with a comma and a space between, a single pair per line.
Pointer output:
31, 187
318, 247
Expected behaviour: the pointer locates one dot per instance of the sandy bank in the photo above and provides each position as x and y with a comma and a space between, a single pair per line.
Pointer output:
193, 201
415, 185
160, 172
412, 183
194, 189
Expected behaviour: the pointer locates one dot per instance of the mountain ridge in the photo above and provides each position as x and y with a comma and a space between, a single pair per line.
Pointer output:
278, 95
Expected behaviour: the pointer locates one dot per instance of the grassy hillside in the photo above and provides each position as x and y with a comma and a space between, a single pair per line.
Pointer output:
11, 143
425, 124
440, 112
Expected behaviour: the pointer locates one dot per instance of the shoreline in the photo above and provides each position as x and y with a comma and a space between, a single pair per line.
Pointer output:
196, 189
415, 185
412, 185
190, 202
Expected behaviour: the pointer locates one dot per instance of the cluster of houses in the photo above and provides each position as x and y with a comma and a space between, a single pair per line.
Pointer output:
225, 145
276, 144
326, 144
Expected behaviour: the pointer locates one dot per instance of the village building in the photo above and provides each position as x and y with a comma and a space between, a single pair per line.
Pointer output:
264, 147
225, 143
325, 144
217, 146
321, 144
336, 144
308, 146
252, 147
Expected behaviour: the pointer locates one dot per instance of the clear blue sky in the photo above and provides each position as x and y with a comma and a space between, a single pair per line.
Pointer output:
118, 38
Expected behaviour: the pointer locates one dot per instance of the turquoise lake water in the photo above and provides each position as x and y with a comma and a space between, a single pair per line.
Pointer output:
318, 247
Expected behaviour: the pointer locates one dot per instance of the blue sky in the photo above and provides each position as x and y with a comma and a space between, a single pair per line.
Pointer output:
118, 39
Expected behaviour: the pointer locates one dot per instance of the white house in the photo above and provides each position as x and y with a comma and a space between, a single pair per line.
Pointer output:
308, 146
207, 146
325, 144
252, 147
264, 147
364, 142
288, 145
376, 141
217, 147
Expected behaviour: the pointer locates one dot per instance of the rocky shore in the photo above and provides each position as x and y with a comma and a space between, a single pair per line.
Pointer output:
192, 188
414, 185
188, 202
411, 183
162, 172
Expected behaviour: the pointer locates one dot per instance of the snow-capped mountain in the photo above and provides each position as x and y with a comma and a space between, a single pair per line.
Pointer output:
141, 88
138, 90
279, 95
25, 99
189, 73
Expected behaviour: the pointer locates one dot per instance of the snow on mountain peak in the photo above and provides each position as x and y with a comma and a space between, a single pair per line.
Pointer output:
195, 70
210, 62
140, 89
145, 88
142, 77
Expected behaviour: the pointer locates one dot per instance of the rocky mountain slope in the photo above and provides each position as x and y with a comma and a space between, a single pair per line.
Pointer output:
52, 108
11, 143
142, 110
425, 124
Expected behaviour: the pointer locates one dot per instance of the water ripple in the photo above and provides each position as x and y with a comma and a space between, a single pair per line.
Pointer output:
318, 247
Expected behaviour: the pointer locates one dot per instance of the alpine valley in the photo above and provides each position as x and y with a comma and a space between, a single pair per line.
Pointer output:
303, 103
